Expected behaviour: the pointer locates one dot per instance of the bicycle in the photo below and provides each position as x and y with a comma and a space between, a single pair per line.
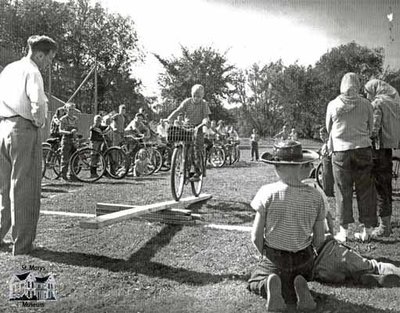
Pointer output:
51, 160
121, 160
80, 162
216, 155
233, 151
166, 154
183, 163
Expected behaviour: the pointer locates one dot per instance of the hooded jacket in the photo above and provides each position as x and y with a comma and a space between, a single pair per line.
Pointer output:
386, 113
349, 117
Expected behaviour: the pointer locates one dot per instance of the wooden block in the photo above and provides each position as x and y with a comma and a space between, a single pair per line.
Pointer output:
108, 219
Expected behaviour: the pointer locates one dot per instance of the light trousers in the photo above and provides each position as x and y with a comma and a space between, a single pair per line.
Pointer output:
20, 179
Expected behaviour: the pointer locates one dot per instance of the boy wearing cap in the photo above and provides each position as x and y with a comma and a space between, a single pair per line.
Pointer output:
289, 221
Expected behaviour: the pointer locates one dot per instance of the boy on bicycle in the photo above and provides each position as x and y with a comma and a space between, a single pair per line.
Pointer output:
195, 110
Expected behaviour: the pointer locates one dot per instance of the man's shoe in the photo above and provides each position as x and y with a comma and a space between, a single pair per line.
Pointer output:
372, 280
342, 235
365, 235
6, 246
273, 288
384, 229
305, 300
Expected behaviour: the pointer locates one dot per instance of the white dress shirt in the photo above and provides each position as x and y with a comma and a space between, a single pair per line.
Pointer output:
22, 92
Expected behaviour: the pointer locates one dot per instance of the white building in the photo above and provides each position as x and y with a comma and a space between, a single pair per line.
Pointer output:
28, 286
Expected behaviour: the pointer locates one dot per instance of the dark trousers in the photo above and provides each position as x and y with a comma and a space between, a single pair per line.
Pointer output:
354, 167
287, 265
67, 149
382, 172
254, 150
327, 177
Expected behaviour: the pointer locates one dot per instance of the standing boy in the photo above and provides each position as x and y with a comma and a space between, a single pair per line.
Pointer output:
254, 138
118, 125
288, 212
68, 129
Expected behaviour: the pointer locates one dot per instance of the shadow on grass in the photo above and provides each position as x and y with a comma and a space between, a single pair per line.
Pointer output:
54, 190
139, 262
117, 182
327, 302
239, 212
63, 185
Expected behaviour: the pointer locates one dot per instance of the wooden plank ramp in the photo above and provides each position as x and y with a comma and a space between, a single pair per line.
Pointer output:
121, 212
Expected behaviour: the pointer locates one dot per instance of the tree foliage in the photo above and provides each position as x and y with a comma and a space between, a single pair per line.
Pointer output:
204, 66
274, 94
85, 34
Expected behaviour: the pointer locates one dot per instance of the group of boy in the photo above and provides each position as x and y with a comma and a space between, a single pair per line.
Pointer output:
109, 129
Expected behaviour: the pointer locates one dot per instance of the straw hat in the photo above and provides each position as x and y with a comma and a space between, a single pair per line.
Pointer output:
289, 152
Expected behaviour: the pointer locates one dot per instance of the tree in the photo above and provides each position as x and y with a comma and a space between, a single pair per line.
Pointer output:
275, 94
202, 66
85, 34
331, 67
255, 89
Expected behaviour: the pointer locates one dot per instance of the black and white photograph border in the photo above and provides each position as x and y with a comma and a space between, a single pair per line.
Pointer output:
135, 217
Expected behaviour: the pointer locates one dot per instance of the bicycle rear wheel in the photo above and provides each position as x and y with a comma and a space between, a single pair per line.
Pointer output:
87, 165
396, 176
151, 162
166, 159
117, 163
156, 159
178, 163
51, 164
217, 156
198, 184
319, 174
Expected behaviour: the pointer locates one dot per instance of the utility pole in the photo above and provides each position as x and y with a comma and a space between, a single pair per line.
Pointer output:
95, 88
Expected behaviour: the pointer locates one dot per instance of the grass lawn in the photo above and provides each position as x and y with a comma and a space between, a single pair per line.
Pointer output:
137, 266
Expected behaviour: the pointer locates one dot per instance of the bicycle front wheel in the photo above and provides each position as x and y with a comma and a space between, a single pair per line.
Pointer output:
178, 163
117, 163
198, 184
51, 164
87, 165
396, 176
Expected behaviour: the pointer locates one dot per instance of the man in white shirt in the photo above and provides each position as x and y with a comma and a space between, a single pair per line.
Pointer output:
23, 111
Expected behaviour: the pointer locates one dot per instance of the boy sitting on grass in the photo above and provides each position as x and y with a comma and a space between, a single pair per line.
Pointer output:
289, 220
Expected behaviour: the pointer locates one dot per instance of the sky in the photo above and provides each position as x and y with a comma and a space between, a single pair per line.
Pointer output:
258, 31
